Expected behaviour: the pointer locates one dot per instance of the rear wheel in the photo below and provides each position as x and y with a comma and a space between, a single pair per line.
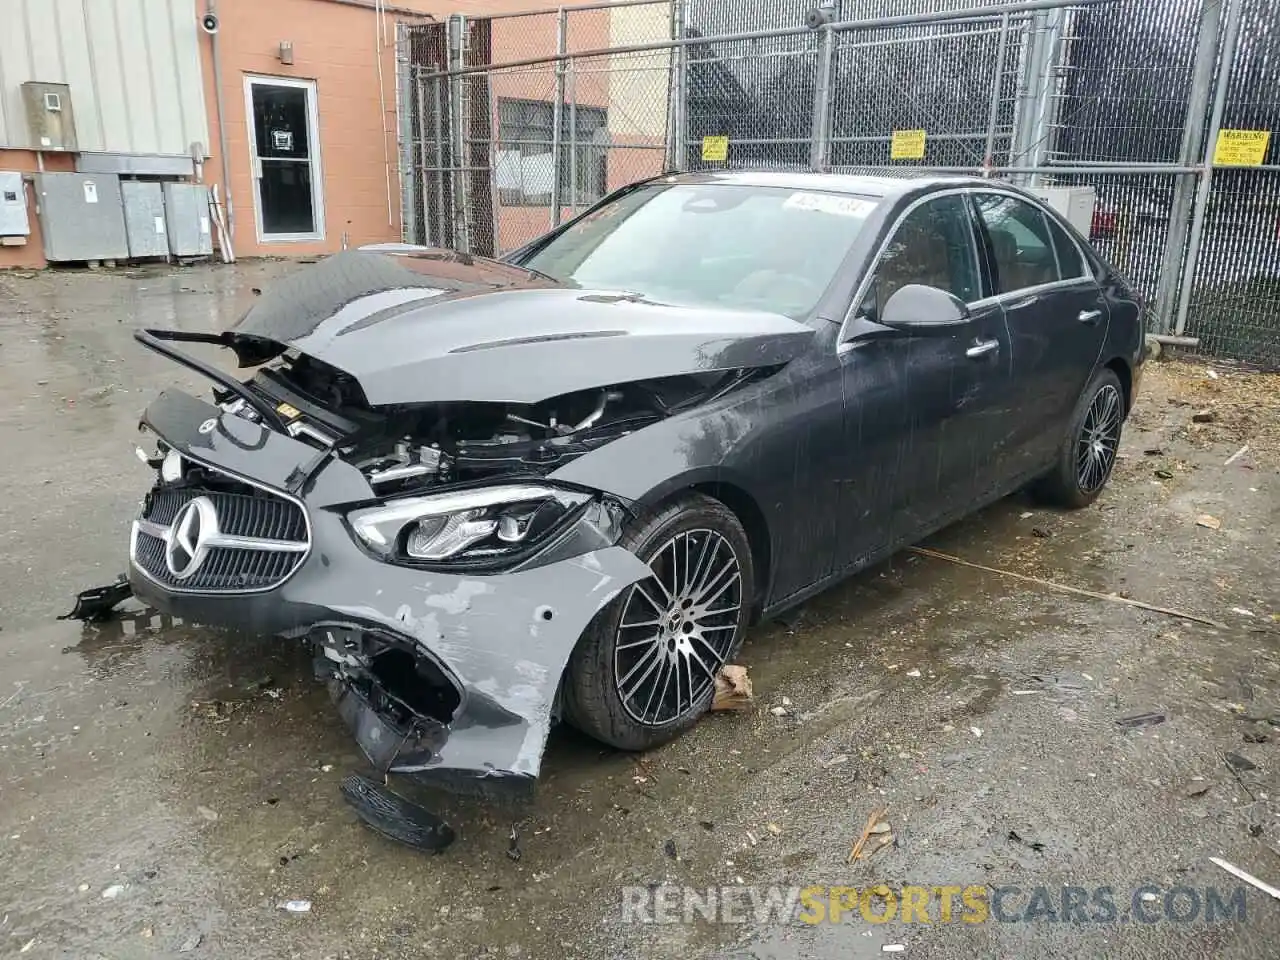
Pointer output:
1088, 452
644, 670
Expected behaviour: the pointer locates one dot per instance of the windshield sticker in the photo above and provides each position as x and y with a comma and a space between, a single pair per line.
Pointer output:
830, 203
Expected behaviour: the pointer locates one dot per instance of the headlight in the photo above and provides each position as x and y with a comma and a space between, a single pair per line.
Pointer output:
482, 524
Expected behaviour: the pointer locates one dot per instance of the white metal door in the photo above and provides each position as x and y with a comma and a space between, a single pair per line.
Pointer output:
284, 150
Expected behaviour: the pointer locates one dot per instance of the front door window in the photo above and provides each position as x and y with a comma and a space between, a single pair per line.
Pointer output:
285, 158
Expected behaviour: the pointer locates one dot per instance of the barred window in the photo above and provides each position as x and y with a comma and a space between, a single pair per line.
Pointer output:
523, 167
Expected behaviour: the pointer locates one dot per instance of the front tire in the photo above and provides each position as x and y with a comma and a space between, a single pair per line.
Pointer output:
645, 668
1087, 454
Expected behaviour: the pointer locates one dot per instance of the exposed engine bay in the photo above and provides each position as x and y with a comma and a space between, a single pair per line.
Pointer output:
404, 448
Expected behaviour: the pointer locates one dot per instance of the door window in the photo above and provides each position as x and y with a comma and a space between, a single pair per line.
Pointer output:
933, 246
1020, 242
282, 134
1070, 262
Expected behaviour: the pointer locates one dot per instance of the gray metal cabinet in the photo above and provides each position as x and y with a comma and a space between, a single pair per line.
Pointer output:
81, 217
144, 220
187, 212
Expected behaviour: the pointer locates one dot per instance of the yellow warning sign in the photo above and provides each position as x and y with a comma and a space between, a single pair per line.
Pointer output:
907, 145
715, 148
1241, 148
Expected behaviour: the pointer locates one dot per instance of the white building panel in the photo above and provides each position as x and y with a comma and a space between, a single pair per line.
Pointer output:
133, 67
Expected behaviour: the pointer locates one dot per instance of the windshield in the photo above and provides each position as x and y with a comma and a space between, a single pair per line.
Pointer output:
753, 248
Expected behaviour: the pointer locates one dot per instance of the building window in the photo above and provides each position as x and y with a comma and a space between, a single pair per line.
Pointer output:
523, 162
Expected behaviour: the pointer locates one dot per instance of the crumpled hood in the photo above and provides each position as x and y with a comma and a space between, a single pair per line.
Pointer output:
434, 326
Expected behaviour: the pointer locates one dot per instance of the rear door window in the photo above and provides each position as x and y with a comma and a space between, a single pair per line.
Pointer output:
1070, 262
1021, 243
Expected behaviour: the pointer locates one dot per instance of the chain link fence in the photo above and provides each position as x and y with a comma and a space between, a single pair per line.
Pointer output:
513, 124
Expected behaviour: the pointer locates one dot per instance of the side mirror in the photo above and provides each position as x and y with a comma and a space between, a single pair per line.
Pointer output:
923, 310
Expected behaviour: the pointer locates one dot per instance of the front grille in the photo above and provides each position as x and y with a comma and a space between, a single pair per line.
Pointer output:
243, 512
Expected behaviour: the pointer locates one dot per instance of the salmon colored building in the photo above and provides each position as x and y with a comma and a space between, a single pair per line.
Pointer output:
293, 108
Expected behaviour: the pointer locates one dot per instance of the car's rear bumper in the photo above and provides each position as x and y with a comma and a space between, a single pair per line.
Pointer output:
501, 642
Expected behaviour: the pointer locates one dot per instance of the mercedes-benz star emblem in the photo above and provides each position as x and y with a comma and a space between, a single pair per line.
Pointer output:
187, 542
208, 426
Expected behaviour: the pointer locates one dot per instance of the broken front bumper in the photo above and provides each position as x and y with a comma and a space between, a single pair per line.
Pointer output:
500, 641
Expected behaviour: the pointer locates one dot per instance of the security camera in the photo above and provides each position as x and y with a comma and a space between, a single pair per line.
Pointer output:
819, 17
209, 23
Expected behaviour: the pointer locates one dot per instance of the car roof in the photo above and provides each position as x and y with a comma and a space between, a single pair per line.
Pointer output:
883, 187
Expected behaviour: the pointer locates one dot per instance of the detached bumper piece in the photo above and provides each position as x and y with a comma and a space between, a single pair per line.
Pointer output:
395, 817
98, 603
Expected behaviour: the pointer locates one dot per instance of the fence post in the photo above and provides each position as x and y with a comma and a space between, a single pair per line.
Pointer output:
1184, 191
997, 82
678, 157
820, 142
557, 114
1046, 100
573, 138
1230, 41
458, 129
404, 134
1031, 124
436, 225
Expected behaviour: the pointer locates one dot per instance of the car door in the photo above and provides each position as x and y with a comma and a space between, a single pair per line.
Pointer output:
1057, 318
921, 410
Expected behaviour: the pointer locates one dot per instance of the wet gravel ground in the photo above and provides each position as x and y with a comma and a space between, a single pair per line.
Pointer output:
164, 788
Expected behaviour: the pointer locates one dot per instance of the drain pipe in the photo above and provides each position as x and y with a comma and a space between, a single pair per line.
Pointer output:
211, 13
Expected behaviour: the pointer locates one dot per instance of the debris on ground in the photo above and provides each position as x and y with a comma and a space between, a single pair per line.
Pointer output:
876, 826
190, 943
296, 906
1199, 787
113, 891
778, 711
976, 731
1256, 737
395, 817
1115, 597
1141, 720
669, 848
1035, 845
1041, 533
913, 673
1209, 521
733, 689
1236, 456
98, 604
1204, 416
1164, 475
1237, 762
1246, 877
207, 813
513, 844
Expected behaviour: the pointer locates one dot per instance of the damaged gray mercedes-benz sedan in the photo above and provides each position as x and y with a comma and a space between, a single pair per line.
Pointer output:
491, 494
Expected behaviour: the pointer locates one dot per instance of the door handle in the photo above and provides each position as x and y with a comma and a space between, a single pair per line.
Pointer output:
1090, 317
982, 348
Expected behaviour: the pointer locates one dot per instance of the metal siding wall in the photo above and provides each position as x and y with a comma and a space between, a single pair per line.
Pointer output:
133, 67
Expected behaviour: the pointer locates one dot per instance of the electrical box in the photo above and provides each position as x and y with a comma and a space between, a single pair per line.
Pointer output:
144, 221
81, 217
49, 115
13, 205
1076, 204
187, 218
